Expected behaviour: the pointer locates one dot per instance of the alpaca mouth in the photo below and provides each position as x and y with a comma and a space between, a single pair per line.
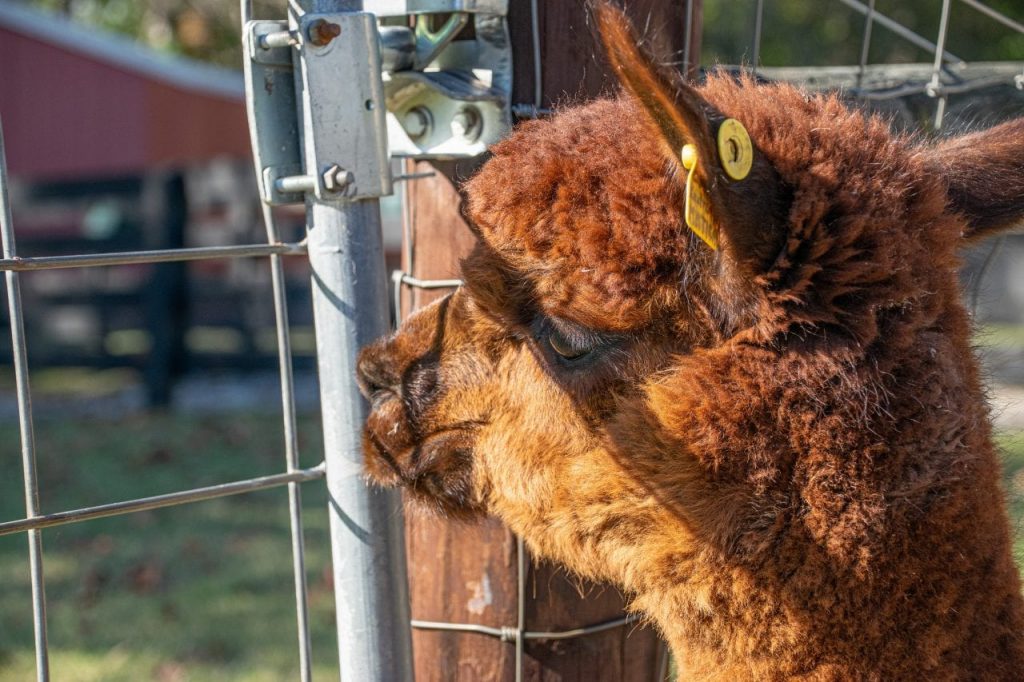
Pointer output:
436, 469
397, 453
378, 451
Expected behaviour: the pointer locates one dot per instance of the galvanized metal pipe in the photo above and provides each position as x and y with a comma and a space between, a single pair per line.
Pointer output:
13, 263
350, 309
35, 522
28, 444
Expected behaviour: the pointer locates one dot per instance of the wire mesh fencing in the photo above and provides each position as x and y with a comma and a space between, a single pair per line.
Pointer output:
34, 521
292, 474
948, 74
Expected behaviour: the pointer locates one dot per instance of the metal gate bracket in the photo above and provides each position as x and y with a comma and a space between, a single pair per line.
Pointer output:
350, 149
270, 86
442, 95
447, 89
350, 153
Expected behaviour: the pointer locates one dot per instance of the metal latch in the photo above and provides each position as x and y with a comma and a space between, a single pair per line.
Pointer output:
448, 77
433, 81
348, 157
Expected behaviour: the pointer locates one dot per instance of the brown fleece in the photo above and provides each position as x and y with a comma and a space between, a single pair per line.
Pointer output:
786, 460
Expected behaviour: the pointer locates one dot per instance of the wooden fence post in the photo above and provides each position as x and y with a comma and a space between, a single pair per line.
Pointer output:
467, 573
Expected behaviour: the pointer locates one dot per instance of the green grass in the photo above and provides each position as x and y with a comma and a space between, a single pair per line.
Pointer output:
1012, 445
198, 592
1000, 335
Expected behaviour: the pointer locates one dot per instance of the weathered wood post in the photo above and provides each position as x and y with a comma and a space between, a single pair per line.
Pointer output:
461, 573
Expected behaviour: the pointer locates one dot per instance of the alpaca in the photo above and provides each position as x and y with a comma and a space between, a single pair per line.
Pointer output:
726, 366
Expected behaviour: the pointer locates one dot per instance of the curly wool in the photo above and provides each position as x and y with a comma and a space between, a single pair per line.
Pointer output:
826, 436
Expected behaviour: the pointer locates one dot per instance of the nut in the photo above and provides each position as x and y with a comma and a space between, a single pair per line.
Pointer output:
417, 122
467, 124
321, 32
337, 179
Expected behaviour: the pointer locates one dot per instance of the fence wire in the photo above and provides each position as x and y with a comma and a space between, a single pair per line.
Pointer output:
26, 430
942, 81
33, 523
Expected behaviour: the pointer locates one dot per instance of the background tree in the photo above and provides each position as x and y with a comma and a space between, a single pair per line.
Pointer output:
796, 32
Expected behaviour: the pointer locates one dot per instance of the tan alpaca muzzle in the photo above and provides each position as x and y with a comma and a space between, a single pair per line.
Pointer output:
408, 438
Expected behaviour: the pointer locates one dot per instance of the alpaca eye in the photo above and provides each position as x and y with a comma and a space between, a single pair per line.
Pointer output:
568, 348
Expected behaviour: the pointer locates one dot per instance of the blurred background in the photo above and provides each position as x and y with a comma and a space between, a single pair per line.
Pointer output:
125, 129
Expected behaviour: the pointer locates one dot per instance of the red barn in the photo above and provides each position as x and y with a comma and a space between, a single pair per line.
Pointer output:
112, 146
75, 101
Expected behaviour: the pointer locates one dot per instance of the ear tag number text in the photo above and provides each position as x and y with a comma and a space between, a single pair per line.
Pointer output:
698, 203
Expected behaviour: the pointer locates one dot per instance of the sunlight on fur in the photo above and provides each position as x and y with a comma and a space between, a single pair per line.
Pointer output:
777, 447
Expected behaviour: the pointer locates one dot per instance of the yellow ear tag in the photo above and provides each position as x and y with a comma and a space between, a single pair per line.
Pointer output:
698, 203
735, 149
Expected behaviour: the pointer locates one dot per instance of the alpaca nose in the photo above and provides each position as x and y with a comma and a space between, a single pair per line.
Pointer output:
405, 365
374, 373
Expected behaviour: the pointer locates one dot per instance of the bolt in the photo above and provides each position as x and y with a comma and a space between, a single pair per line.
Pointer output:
417, 122
336, 178
269, 41
321, 32
466, 123
295, 184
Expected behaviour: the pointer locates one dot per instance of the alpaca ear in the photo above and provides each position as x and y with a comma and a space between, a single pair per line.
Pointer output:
735, 198
984, 175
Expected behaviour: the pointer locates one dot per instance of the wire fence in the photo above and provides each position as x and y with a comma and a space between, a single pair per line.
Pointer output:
34, 520
948, 74
941, 84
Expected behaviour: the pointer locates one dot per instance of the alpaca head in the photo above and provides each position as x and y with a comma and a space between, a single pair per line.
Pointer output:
546, 389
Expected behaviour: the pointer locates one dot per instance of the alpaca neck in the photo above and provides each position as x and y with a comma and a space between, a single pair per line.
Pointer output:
725, 622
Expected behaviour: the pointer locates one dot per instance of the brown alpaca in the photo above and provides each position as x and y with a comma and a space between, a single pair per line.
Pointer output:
780, 448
